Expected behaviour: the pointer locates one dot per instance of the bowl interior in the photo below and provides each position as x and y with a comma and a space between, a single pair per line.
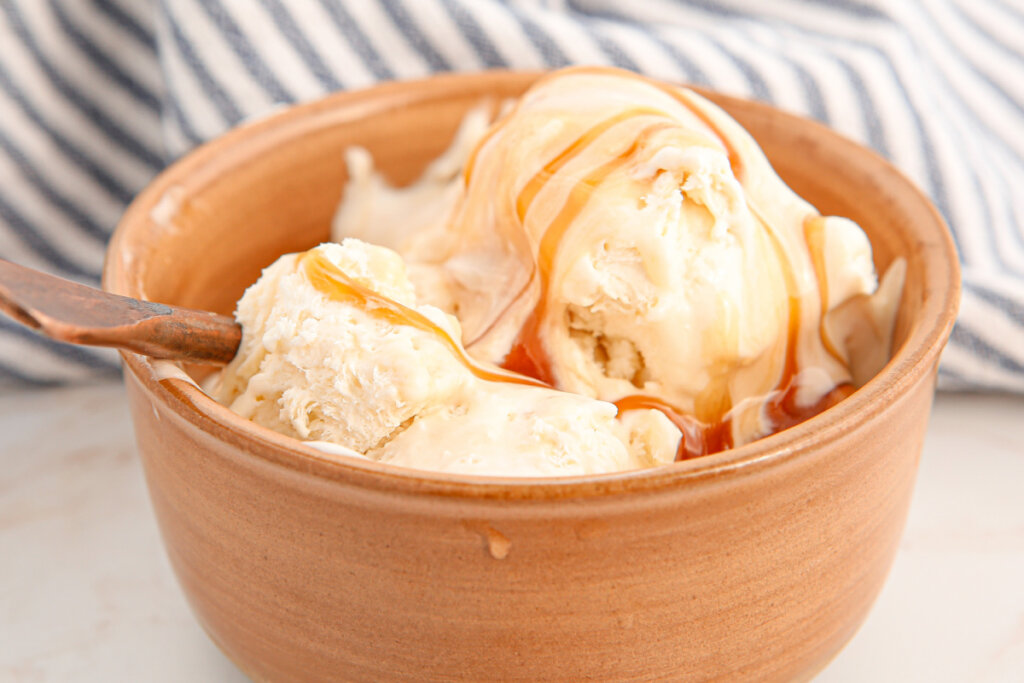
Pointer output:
203, 231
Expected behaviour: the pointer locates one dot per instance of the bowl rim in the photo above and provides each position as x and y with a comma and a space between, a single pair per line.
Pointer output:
917, 355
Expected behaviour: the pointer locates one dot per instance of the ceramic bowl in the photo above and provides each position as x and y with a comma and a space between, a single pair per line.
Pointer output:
753, 564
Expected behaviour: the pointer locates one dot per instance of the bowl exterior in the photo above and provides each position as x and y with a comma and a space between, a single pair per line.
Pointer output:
758, 575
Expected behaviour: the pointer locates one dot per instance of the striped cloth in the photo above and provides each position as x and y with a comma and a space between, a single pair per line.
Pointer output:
96, 96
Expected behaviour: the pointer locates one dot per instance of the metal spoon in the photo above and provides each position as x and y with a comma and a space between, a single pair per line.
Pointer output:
74, 313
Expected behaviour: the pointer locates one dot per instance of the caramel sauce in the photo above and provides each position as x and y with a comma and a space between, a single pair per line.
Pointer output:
735, 162
537, 183
331, 281
814, 236
698, 438
784, 413
781, 408
528, 354
782, 402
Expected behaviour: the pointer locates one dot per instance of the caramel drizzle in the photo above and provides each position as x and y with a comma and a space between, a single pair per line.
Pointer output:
781, 408
697, 438
814, 236
528, 355
735, 161
701, 438
331, 281
783, 397
540, 179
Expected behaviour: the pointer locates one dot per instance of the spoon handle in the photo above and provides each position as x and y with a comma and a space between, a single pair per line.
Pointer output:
74, 313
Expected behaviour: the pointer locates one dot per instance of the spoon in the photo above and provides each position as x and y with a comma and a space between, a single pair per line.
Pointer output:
74, 313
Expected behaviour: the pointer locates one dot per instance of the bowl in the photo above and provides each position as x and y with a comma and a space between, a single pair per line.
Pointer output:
756, 563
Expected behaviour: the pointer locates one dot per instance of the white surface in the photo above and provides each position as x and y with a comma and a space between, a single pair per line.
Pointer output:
86, 593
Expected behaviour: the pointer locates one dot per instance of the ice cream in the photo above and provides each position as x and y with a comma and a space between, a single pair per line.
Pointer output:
627, 240
610, 276
336, 349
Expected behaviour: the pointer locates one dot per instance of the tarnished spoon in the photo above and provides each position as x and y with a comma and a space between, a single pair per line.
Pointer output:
74, 313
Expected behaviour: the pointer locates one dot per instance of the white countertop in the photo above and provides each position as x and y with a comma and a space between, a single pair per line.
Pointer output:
86, 593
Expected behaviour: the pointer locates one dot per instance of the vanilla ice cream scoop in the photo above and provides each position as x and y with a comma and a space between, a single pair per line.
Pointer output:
309, 365
626, 240
337, 350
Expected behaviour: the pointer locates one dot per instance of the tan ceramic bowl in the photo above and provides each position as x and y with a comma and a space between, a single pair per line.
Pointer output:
754, 564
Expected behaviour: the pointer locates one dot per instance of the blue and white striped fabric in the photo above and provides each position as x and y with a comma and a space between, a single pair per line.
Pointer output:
96, 96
